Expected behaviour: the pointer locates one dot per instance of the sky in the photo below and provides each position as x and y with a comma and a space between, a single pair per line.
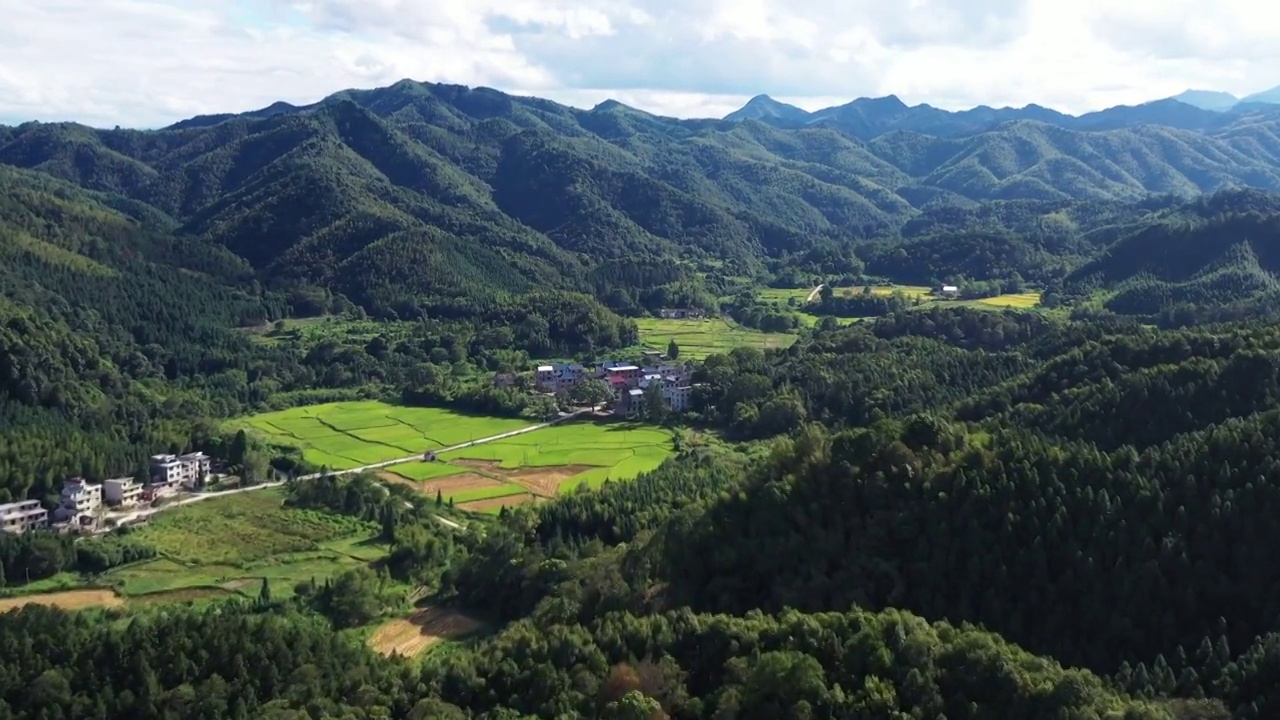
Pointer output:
147, 63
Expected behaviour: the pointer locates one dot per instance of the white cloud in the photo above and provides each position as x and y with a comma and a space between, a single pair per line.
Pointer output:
151, 62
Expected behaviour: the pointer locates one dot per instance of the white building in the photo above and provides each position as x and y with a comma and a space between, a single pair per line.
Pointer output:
561, 376
79, 498
122, 491
186, 470
949, 291
19, 517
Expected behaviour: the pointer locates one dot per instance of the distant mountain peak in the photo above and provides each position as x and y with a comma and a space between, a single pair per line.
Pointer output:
1207, 99
1266, 97
608, 105
764, 107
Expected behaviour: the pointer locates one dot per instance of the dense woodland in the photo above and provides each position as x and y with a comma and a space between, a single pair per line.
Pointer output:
935, 512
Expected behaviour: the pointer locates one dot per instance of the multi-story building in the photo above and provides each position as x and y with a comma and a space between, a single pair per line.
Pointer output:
79, 498
187, 470
23, 516
561, 376
122, 491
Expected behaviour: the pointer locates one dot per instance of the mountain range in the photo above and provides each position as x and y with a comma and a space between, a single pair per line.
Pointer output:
419, 190
868, 118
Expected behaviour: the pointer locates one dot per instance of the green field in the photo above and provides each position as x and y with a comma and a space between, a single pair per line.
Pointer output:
229, 544
700, 338
1021, 301
608, 451
345, 435
783, 294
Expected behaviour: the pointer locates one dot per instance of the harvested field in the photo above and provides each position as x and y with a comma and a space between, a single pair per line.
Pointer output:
496, 503
458, 483
67, 599
408, 637
544, 481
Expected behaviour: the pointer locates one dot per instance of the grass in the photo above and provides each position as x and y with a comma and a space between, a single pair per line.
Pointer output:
699, 338
781, 295
345, 435
231, 543
606, 451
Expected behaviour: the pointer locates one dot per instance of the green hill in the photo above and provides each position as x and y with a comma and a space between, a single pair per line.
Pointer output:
418, 194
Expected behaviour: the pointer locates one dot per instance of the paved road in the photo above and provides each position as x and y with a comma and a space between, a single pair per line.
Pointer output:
125, 518
814, 293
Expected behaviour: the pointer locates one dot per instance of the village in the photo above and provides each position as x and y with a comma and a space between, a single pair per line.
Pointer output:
627, 382
88, 507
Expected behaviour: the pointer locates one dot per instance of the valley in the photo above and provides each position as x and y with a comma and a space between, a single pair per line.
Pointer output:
535, 412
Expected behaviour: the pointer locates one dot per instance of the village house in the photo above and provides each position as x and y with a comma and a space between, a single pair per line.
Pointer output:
121, 491
679, 313
558, 377
23, 516
504, 380
79, 498
185, 470
948, 291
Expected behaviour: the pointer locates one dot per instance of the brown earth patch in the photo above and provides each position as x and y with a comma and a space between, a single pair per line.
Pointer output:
183, 595
491, 503
67, 599
544, 481
446, 485
408, 637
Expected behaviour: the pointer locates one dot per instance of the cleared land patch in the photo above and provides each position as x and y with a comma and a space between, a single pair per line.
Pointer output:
346, 435
495, 504
408, 637
700, 338
66, 599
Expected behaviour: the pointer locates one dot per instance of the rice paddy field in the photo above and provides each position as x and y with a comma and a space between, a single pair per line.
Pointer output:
221, 548
227, 545
513, 471
1018, 301
541, 464
699, 338
347, 435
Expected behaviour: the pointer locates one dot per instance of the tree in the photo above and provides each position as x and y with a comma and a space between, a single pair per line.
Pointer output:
591, 391
439, 498
239, 448
673, 350
655, 405
264, 595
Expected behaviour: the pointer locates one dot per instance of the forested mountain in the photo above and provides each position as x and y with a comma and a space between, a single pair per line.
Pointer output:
418, 194
923, 515
868, 118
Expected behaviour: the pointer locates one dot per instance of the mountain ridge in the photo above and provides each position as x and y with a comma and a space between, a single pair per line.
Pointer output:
399, 195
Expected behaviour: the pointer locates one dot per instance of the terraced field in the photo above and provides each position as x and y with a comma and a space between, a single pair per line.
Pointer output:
700, 338
346, 435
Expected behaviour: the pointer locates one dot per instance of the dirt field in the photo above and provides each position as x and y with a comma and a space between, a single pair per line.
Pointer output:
544, 481
67, 599
446, 485
509, 501
408, 637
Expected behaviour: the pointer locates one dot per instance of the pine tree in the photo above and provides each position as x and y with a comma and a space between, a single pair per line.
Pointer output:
673, 350
264, 595
439, 498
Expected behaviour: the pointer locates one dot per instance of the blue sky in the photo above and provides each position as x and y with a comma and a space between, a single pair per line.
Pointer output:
146, 63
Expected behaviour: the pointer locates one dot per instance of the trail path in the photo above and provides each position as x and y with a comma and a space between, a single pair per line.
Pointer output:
814, 293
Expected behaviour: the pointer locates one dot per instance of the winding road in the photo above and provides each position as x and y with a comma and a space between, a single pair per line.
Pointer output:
138, 515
